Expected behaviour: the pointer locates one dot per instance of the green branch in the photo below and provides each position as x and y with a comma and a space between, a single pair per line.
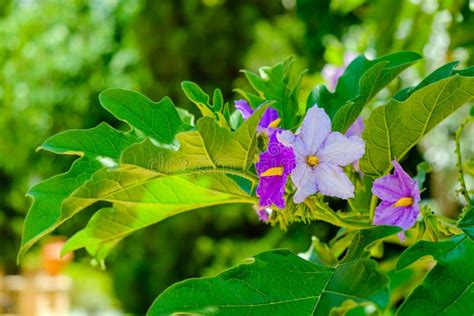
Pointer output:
328, 215
459, 163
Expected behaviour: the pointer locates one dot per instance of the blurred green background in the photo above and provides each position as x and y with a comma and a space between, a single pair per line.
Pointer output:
56, 57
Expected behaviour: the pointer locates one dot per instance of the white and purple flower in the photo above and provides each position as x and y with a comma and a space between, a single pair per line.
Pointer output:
400, 196
320, 155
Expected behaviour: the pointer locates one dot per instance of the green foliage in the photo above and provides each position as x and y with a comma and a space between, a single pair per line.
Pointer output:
448, 287
143, 182
216, 110
143, 202
158, 120
98, 146
277, 84
393, 129
423, 168
466, 223
255, 288
365, 238
361, 81
210, 148
164, 165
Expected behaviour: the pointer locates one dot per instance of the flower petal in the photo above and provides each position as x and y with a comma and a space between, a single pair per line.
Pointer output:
271, 191
332, 181
340, 150
304, 179
287, 138
268, 117
402, 216
244, 108
315, 128
407, 183
356, 128
388, 188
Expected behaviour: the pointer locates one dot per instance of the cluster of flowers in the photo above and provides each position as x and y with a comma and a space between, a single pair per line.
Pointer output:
314, 158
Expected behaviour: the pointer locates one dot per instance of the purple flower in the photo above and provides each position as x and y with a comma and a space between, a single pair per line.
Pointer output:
320, 154
332, 73
269, 121
400, 196
273, 168
356, 129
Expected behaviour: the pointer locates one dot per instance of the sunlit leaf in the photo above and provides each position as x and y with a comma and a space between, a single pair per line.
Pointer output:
141, 202
393, 129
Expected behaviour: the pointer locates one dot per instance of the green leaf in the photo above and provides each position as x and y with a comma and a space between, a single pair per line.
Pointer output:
361, 81
99, 146
196, 95
208, 149
146, 173
185, 116
141, 202
100, 141
439, 74
467, 223
448, 288
423, 168
392, 130
159, 120
365, 238
362, 240
275, 283
319, 253
275, 84
201, 99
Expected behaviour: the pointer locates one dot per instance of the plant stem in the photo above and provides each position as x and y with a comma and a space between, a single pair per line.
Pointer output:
462, 182
328, 215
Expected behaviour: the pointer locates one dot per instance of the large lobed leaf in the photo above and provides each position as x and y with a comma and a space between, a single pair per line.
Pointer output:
280, 283
275, 283
155, 182
98, 147
361, 81
448, 288
392, 130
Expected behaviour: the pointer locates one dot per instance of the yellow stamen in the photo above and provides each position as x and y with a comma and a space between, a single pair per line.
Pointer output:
275, 123
277, 171
404, 201
313, 161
